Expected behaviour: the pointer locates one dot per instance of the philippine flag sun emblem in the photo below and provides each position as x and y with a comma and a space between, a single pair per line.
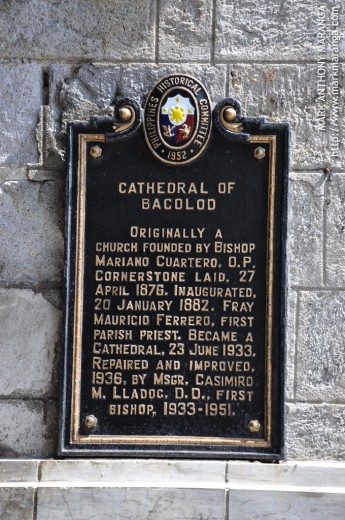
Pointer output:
177, 119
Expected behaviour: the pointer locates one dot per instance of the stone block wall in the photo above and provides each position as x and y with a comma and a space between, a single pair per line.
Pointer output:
63, 61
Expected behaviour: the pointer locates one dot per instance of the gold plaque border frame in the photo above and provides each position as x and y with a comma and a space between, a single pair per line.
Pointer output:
75, 437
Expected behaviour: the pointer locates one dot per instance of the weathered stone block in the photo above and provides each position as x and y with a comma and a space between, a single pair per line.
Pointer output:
23, 430
51, 151
185, 30
293, 474
82, 29
19, 470
155, 473
27, 351
125, 503
137, 80
290, 334
91, 89
16, 504
320, 347
289, 93
77, 93
335, 231
278, 92
315, 431
270, 31
20, 101
32, 228
13, 173
305, 230
284, 505
42, 175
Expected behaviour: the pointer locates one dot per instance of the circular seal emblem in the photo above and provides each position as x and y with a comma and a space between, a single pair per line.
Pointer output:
178, 119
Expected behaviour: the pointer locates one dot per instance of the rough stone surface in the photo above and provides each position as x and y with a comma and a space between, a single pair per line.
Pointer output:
16, 504
31, 227
110, 29
185, 29
51, 153
288, 93
21, 97
305, 230
315, 431
30, 333
268, 31
290, 334
284, 505
335, 231
136, 81
77, 93
320, 347
23, 430
135, 503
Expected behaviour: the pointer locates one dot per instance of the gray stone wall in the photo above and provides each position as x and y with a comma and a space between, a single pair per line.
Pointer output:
62, 61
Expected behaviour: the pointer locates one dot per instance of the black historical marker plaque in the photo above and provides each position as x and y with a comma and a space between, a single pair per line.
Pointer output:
174, 292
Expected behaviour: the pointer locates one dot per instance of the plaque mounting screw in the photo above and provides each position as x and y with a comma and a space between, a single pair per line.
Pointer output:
229, 114
254, 426
90, 421
259, 152
125, 114
96, 152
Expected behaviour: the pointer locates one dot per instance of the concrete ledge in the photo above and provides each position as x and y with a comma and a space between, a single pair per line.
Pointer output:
293, 475
137, 473
18, 471
170, 489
